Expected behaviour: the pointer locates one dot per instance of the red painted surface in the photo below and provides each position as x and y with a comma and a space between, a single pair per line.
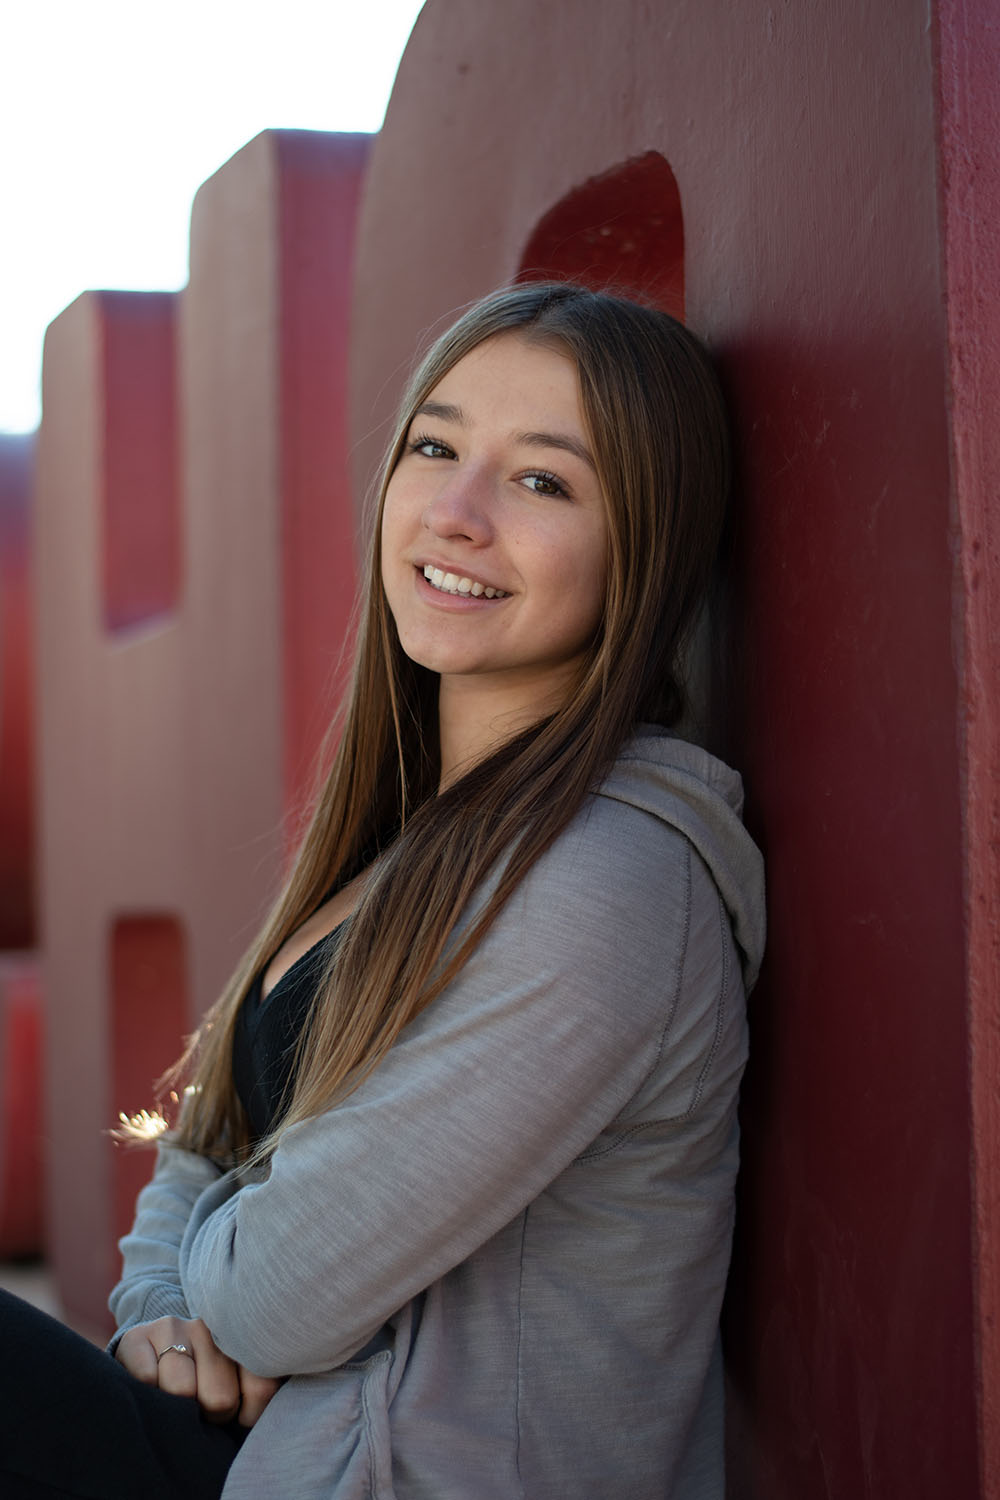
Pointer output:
149, 1012
17, 709
320, 186
183, 699
21, 1165
141, 542
623, 228
803, 144
969, 69
111, 769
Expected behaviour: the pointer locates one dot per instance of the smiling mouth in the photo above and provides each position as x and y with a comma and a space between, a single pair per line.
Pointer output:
453, 583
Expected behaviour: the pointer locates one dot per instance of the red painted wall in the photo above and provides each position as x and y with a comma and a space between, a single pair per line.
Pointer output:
804, 144
319, 188
21, 1185
22, 1194
112, 763
140, 531
149, 1008
968, 38
17, 697
623, 226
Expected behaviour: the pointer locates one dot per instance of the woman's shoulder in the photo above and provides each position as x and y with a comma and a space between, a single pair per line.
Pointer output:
654, 768
625, 914
631, 842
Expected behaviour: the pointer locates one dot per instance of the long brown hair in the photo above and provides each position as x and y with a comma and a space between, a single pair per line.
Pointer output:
657, 426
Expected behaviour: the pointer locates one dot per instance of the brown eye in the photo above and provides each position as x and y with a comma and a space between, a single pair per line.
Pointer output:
545, 484
429, 447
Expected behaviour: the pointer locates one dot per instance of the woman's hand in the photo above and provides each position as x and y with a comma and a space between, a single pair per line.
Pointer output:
223, 1388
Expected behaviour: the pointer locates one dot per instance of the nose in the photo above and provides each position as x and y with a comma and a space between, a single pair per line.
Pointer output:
462, 507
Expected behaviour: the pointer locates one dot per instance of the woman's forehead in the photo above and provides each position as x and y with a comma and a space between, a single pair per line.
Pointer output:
509, 375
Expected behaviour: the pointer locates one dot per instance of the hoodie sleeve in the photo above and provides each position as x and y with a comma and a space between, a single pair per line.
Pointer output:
150, 1285
601, 965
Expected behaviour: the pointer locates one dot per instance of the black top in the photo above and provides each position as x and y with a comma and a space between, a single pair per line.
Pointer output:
267, 1031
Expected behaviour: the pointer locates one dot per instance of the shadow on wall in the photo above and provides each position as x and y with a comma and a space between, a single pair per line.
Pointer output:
623, 229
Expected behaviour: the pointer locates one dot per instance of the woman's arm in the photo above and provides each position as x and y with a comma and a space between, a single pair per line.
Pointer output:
150, 1309
150, 1285
599, 964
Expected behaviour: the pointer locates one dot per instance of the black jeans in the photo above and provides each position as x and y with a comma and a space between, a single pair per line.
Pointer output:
75, 1424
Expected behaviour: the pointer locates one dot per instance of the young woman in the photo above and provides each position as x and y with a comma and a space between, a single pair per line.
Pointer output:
447, 1212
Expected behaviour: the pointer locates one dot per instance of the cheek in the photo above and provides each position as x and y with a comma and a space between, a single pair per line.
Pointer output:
389, 513
391, 567
589, 579
576, 597
594, 594
393, 529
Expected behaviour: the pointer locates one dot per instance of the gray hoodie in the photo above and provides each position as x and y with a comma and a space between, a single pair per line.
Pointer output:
495, 1271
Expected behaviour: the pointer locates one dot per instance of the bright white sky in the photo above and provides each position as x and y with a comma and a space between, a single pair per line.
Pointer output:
113, 112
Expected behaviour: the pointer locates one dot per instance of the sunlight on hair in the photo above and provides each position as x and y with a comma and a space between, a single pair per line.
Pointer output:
146, 1125
149, 1125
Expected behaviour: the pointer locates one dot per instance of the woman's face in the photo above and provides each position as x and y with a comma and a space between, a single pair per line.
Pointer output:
494, 532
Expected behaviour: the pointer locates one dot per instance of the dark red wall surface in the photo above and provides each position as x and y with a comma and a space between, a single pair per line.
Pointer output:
21, 1176
17, 697
804, 144
968, 38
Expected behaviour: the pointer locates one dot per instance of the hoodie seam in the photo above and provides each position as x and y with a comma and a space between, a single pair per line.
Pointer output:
720, 1012
681, 965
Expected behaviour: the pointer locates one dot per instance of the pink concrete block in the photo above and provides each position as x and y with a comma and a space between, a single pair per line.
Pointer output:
21, 1157
112, 773
140, 520
321, 179
149, 1012
195, 576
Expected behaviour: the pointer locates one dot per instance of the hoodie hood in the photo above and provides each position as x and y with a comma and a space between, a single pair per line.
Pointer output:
702, 798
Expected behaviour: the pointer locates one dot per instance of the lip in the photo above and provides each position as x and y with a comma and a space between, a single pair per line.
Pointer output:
460, 602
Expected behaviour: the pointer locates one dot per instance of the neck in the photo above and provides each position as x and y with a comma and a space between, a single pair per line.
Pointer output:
476, 716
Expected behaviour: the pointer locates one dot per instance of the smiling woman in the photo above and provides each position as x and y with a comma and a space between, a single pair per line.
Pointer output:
447, 1210
493, 563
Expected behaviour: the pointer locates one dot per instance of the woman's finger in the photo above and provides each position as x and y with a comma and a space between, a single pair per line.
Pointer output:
256, 1392
180, 1356
140, 1348
218, 1381
177, 1369
135, 1351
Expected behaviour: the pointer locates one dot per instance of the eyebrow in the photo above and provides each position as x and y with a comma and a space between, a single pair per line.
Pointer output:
445, 412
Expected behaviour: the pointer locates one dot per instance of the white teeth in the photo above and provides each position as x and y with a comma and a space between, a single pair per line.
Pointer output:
451, 583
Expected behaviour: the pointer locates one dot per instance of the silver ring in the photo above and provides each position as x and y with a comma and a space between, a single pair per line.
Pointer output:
175, 1349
